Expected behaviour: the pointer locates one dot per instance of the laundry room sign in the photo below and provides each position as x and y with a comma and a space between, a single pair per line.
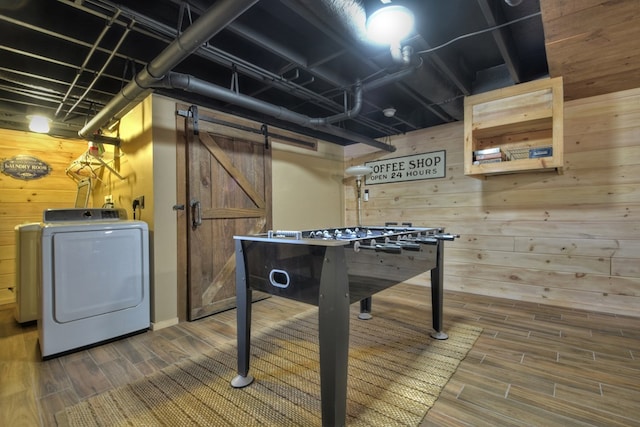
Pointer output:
409, 168
25, 167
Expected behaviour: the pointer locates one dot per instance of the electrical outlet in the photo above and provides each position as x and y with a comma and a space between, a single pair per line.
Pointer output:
140, 201
108, 199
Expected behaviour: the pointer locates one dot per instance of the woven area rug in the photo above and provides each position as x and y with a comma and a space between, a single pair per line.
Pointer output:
396, 372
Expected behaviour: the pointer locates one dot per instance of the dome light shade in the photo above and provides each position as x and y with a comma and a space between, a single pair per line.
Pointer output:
390, 24
39, 124
389, 112
359, 171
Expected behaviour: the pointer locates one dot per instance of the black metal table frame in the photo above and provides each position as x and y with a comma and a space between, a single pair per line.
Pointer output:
333, 325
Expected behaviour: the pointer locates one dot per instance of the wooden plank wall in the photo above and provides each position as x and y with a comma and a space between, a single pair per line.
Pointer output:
570, 240
23, 201
593, 44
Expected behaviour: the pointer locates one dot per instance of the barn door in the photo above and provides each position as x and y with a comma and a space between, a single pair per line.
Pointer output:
228, 193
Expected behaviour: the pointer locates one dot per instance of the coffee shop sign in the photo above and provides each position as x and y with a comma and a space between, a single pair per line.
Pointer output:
409, 168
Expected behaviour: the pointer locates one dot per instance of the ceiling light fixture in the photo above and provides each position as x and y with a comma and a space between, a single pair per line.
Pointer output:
39, 123
389, 23
389, 112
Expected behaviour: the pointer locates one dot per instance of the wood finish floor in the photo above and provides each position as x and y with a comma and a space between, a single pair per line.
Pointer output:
533, 364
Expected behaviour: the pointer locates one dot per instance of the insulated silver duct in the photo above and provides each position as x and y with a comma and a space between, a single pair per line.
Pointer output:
216, 18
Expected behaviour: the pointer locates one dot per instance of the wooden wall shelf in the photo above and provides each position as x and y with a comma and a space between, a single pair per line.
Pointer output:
515, 119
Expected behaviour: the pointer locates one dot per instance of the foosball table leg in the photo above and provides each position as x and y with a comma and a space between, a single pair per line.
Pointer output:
243, 319
365, 309
437, 290
333, 337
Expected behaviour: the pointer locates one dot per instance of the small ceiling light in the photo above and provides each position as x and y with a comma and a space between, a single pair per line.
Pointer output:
38, 123
389, 112
389, 24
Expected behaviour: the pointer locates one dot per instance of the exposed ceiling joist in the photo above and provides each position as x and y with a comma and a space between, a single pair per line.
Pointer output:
71, 58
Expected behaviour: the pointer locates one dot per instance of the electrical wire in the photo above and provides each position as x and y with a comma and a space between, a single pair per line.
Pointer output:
475, 33
136, 205
464, 36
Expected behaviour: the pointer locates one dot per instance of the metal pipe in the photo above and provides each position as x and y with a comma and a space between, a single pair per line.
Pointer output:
360, 88
388, 79
56, 35
95, 45
213, 21
348, 114
391, 78
101, 72
165, 33
228, 60
308, 10
195, 85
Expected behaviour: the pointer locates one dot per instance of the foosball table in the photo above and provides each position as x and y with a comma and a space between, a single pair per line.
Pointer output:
332, 269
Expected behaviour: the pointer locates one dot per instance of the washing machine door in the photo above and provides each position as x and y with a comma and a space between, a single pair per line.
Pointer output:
96, 272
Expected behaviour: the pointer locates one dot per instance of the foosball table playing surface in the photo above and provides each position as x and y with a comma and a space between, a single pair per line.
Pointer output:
332, 269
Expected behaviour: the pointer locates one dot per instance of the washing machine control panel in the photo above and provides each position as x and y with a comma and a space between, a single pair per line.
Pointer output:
83, 214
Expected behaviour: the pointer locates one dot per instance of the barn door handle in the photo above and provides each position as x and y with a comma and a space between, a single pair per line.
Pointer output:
197, 213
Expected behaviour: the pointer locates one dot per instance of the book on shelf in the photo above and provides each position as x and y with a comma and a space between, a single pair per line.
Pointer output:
484, 151
497, 155
482, 162
534, 153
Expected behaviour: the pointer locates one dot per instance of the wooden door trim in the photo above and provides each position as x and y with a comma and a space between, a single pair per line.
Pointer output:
182, 133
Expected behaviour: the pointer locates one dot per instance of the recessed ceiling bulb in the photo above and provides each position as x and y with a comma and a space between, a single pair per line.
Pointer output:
38, 123
390, 24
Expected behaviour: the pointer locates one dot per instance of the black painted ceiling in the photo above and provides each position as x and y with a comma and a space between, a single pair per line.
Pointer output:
302, 55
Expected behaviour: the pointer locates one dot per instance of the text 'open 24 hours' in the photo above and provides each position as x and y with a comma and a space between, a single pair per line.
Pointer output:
409, 168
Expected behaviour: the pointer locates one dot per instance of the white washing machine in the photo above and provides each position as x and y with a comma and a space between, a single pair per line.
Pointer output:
95, 278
